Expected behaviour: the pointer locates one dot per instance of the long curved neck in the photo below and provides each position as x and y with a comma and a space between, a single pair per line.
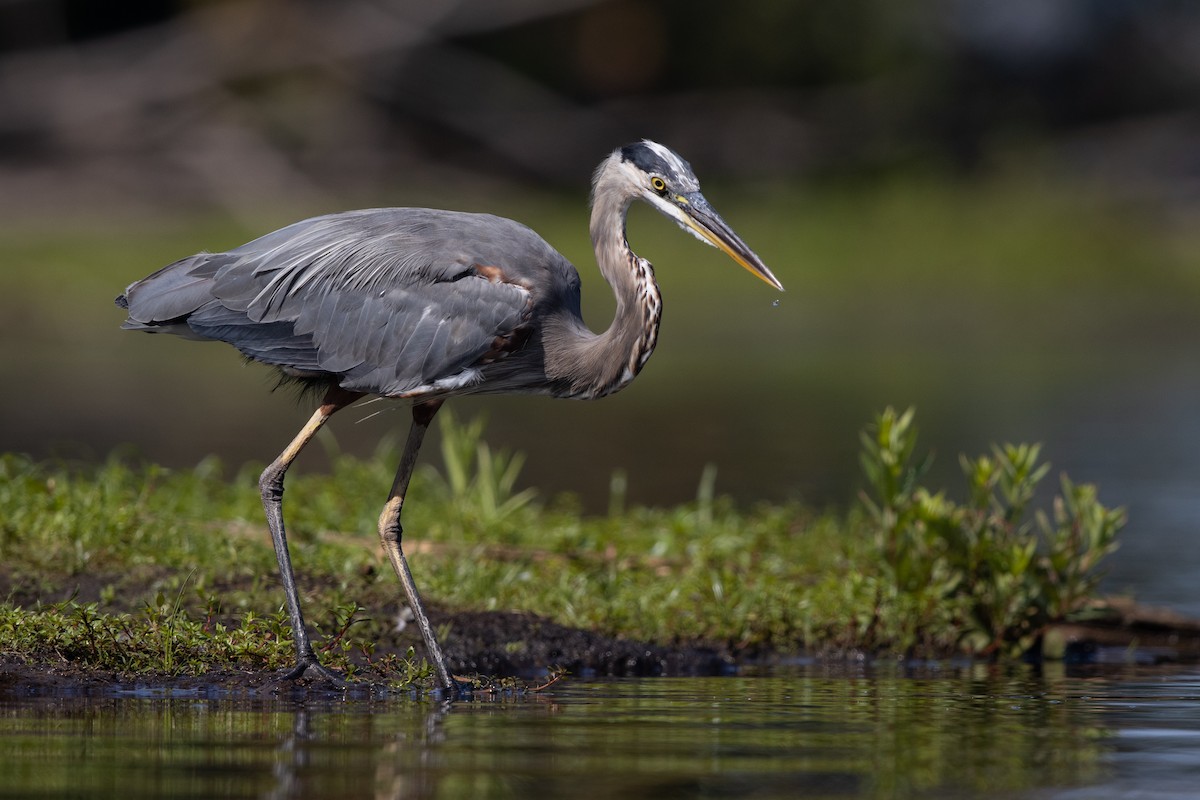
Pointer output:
634, 329
599, 364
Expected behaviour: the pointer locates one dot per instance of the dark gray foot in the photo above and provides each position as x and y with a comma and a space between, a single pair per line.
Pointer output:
455, 691
309, 665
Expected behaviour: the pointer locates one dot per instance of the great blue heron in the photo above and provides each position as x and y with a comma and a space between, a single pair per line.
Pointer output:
423, 305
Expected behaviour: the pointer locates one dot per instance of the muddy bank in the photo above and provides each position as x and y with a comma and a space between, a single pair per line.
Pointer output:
529, 648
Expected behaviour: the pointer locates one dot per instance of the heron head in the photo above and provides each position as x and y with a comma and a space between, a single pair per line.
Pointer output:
663, 179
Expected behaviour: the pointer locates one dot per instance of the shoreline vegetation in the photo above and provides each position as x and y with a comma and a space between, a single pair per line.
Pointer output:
116, 572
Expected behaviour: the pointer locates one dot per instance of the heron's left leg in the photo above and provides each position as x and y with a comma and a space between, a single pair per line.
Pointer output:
271, 486
390, 533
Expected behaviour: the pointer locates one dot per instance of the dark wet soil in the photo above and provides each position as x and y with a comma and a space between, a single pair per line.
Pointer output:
525, 645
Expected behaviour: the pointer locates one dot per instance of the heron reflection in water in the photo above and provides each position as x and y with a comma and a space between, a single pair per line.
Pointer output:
422, 305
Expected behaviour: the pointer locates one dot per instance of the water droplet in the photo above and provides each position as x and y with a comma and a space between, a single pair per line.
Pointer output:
774, 304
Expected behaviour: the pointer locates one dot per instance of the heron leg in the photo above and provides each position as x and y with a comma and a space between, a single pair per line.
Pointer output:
391, 532
271, 486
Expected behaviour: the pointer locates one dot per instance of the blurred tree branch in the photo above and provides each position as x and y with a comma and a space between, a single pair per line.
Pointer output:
236, 94
242, 102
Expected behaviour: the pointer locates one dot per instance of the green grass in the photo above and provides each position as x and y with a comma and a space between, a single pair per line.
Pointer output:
148, 570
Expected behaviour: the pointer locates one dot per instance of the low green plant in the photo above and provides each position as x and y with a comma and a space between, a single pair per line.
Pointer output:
164, 639
986, 568
161, 639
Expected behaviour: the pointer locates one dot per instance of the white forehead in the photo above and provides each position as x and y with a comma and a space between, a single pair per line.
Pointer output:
629, 169
677, 164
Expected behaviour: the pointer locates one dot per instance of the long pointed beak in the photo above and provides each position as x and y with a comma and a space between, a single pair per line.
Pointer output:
701, 218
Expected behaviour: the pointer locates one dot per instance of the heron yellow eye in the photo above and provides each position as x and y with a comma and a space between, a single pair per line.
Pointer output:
658, 184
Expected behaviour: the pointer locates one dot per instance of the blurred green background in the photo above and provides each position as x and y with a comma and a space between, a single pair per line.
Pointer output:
987, 210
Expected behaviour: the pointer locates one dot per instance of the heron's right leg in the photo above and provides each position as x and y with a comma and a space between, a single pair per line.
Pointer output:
390, 533
271, 486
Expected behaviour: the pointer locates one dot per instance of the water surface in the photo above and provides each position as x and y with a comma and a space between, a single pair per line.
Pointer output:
811, 731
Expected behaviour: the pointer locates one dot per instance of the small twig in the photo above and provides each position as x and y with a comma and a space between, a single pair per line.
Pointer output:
341, 634
555, 677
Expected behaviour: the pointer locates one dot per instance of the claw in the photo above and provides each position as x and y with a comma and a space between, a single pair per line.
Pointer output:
310, 662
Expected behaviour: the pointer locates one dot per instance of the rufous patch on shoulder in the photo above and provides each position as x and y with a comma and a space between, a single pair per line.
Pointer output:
494, 274
490, 272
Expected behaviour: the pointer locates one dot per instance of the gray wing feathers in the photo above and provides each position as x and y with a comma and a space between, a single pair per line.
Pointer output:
163, 300
389, 300
272, 343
